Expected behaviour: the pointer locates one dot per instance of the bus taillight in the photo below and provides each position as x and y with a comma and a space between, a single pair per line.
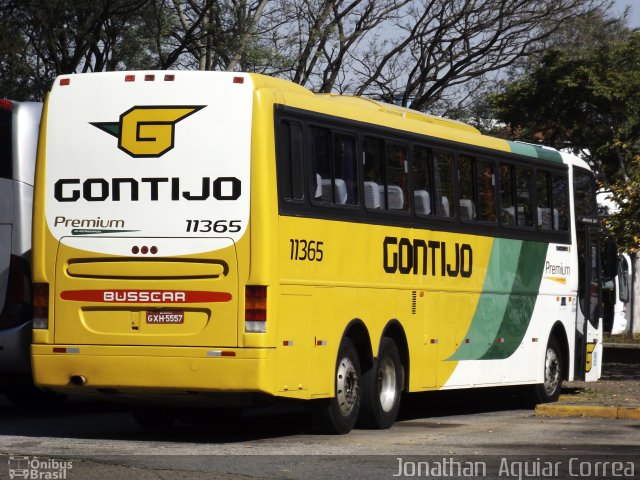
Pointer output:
41, 305
255, 309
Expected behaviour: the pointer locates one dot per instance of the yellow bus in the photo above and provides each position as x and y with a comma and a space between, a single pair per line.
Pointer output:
225, 239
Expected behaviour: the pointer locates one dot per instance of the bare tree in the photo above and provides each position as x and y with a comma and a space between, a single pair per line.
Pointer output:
445, 44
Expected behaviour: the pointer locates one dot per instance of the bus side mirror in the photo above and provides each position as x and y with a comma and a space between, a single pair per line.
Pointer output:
624, 293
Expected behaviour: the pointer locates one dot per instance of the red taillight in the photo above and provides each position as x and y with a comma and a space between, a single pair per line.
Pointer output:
64, 82
129, 78
238, 79
40, 305
255, 309
6, 105
149, 78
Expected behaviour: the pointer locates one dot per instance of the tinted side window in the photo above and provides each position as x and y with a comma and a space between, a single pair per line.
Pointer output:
486, 185
334, 173
524, 198
396, 192
584, 192
422, 189
290, 161
374, 173
467, 202
345, 170
6, 167
544, 211
444, 200
507, 198
560, 201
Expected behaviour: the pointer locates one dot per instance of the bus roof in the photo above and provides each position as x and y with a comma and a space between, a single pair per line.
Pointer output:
394, 116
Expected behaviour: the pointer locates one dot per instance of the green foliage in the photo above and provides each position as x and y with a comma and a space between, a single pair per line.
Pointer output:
40, 39
586, 99
583, 93
624, 225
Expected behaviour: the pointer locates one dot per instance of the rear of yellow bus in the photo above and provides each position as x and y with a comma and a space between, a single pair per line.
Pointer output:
141, 237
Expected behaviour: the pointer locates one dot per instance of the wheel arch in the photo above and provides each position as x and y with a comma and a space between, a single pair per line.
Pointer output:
395, 332
559, 333
357, 332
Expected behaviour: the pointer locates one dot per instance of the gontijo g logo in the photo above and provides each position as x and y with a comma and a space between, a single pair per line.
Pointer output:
147, 131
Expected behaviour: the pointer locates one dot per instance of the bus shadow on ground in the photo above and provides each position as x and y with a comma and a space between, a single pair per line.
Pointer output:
100, 420
463, 402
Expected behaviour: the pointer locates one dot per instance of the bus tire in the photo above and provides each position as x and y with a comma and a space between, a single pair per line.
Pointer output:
382, 388
338, 415
550, 389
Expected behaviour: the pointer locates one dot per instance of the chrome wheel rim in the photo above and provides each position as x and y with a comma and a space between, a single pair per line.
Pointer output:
551, 371
387, 384
347, 387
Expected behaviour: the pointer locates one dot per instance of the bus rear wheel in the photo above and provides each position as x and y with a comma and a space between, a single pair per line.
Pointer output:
382, 388
549, 390
338, 415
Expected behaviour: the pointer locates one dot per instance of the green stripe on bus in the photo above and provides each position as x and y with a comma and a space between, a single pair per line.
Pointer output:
535, 151
493, 302
522, 300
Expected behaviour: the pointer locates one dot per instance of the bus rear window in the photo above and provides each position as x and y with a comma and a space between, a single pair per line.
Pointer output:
6, 170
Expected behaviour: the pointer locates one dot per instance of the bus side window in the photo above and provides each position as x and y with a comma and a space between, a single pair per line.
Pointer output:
560, 203
486, 188
373, 173
290, 159
467, 200
320, 139
422, 180
524, 196
545, 213
397, 168
345, 170
507, 200
445, 205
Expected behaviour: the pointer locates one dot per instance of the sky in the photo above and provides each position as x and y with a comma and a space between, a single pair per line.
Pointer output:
634, 17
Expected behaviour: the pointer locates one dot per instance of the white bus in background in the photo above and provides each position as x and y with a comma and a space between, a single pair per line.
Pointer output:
617, 291
19, 125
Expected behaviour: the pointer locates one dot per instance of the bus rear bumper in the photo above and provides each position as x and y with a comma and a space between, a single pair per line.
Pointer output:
127, 369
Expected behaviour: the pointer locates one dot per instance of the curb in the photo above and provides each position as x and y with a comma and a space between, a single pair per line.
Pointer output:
555, 410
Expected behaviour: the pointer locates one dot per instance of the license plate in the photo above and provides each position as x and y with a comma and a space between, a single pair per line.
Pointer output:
165, 317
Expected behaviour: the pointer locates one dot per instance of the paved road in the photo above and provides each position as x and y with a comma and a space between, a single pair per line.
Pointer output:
487, 427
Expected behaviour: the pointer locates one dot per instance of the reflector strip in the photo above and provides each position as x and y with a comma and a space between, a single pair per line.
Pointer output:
65, 81
499, 340
321, 343
65, 350
238, 79
434, 341
149, 78
144, 296
169, 78
220, 353
287, 343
